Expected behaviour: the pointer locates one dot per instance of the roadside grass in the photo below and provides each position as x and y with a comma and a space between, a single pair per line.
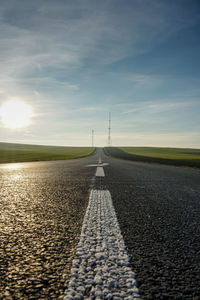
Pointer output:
169, 153
173, 156
10, 152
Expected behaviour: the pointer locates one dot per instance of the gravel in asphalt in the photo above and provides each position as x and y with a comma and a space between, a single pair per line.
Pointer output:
101, 267
42, 208
158, 209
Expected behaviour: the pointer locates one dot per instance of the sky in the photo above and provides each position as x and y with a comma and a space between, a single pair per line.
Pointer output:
73, 62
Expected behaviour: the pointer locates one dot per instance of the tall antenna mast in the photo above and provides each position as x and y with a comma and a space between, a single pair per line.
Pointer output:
109, 130
92, 138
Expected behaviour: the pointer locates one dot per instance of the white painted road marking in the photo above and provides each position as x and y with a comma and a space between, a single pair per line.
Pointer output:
100, 172
98, 165
101, 269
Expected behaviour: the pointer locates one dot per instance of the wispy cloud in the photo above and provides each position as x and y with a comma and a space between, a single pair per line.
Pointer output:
144, 80
36, 36
155, 107
59, 57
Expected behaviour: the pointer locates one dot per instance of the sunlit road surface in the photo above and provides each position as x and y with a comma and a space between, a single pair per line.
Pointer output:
42, 209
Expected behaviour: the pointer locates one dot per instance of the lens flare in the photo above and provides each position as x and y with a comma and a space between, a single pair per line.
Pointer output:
15, 114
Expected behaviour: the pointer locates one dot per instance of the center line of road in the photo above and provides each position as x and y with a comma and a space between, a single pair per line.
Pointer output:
101, 269
100, 172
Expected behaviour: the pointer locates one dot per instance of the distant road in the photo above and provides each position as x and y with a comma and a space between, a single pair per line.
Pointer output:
42, 209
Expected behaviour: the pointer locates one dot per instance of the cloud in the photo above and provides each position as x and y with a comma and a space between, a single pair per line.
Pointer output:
36, 36
142, 81
59, 56
156, 107
67, 35
36, 93
159, 117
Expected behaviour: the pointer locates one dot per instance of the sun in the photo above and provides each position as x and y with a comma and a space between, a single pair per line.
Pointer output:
15, 114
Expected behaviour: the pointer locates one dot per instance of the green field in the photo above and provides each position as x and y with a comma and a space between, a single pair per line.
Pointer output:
185, 157
169, 153
21, 152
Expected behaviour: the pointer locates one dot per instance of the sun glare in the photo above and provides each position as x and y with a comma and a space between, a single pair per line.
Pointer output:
15, 114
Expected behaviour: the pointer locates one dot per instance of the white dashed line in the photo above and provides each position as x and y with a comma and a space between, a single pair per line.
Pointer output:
101, 269
100, 172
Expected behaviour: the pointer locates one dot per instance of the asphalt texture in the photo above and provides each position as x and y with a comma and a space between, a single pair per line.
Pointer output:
42, 208
158, 209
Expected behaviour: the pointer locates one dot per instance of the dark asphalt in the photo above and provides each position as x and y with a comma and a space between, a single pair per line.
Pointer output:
42, 208
158, 209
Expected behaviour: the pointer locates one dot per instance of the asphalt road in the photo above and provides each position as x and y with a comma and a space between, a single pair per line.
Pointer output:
42, 208
158, 209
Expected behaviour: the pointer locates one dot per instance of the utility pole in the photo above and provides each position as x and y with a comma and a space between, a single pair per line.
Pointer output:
92, 138
109, 130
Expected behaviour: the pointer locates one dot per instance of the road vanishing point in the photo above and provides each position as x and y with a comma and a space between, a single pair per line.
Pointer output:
99, 228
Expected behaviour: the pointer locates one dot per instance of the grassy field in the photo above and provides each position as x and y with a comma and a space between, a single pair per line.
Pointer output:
169, 153
21, 152
174, 156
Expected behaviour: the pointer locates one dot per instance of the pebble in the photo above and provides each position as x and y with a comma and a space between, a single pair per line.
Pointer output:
112, 273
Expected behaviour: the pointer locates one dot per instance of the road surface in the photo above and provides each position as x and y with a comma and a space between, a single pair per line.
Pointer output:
42, 210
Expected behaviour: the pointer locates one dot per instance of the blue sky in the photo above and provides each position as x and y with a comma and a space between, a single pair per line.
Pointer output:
74, 61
